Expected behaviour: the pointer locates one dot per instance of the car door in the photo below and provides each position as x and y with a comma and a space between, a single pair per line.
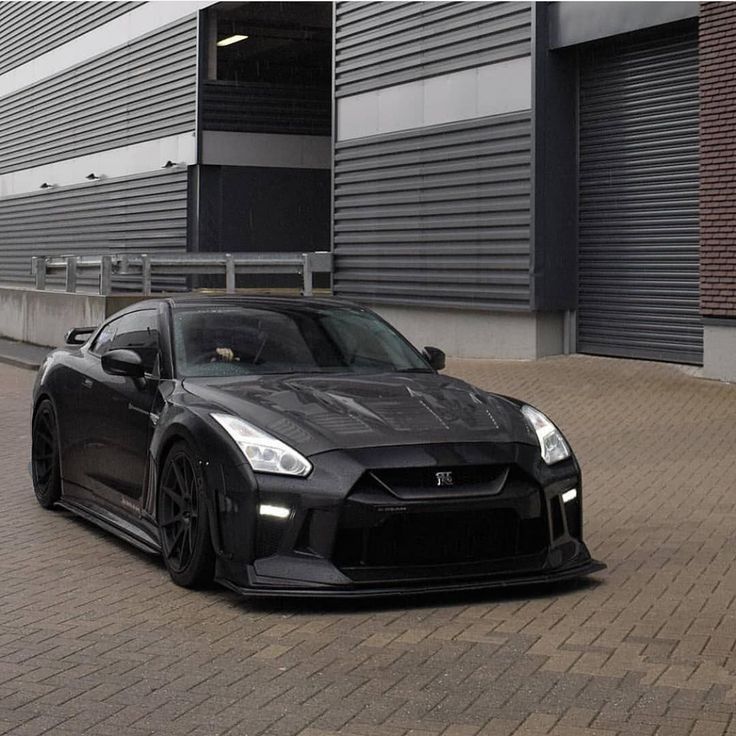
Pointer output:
116, 411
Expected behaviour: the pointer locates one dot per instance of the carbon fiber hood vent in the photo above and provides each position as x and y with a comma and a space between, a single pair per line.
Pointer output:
327, 412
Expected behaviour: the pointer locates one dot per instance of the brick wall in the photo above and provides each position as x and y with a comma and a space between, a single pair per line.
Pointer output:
718, 159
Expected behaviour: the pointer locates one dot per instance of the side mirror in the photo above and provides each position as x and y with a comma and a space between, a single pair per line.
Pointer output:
78, 335
435, 357
123, 363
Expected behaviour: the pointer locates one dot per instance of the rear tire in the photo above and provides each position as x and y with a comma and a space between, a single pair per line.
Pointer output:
45, 464
183, 519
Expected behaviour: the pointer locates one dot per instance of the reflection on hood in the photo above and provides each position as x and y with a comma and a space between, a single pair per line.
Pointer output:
318, 413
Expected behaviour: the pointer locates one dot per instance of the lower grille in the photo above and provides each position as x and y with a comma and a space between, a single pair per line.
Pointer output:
431, 538
268, 536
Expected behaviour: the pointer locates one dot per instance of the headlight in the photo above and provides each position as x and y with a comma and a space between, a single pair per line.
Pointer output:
551, 442
265, 454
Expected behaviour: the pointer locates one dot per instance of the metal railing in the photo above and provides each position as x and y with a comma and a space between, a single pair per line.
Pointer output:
144, 264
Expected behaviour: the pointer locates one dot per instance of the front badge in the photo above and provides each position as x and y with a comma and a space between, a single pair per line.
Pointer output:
444, 478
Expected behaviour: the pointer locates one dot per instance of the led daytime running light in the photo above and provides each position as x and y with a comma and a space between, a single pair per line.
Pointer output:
278, 512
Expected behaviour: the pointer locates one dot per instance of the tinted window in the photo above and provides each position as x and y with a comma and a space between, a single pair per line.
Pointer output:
136, 331
232, 340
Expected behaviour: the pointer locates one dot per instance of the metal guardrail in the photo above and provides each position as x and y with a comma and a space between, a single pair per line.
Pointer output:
143, 264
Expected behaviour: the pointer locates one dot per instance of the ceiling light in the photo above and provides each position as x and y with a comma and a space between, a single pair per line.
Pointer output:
231, 39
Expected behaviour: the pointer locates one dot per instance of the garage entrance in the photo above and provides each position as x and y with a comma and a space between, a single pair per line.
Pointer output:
265, 97
638, 198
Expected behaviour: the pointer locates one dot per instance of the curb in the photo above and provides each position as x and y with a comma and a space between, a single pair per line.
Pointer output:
30, 365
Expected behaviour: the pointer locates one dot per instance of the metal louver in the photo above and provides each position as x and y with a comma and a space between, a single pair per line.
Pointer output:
638, 207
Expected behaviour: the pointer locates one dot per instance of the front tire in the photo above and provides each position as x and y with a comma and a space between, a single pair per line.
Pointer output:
45, 464
183, 519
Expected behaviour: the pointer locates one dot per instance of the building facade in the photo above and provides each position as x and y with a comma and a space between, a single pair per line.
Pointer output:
502, 179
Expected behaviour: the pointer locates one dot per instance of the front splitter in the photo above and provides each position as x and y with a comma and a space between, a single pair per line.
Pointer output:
424, 588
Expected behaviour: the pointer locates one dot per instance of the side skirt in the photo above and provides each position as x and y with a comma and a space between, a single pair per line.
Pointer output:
115, 525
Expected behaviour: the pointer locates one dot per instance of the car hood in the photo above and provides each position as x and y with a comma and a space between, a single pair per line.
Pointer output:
326, 412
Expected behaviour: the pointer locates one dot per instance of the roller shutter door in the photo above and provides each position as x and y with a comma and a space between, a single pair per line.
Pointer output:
638, 208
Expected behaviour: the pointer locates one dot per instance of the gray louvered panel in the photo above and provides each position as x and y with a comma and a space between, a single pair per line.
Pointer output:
437, 216
144, 213
638, 238
379, 44
141, 91
29, 29
267, 108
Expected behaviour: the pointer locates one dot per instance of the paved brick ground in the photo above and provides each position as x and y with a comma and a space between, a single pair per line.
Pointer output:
94, 639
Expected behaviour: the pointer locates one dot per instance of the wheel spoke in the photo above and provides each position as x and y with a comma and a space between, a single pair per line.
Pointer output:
179, 478
173, 520
192, 483
178, 539
45, 435
171, 493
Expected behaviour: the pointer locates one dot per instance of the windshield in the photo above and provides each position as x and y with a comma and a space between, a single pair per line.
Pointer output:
231, 340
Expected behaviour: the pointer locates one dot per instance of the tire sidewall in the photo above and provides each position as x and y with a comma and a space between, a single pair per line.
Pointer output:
199, 572
49, 493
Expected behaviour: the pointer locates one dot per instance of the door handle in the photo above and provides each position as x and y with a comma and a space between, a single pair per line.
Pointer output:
87, 383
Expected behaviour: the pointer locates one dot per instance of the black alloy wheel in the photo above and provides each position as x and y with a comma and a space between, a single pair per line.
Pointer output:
45, 467
183, 520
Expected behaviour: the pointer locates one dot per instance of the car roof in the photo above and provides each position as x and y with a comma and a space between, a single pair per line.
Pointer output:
206, 300
190, 300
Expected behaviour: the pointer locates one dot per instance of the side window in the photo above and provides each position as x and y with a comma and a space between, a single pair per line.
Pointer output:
136, 331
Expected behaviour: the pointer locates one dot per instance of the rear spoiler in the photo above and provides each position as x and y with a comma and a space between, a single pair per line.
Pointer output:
78, 335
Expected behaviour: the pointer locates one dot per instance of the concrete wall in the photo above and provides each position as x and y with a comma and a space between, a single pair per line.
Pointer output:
579, 22
44, 317
479, 334
719, 353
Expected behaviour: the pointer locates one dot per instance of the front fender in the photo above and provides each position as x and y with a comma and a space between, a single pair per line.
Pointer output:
230, 484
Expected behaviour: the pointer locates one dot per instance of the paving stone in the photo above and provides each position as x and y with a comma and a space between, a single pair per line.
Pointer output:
94, 639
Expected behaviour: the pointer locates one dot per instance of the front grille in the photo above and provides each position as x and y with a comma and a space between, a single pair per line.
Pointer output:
439, 538
423, 482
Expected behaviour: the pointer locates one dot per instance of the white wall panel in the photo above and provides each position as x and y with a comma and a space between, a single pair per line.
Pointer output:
493, 89
145, 18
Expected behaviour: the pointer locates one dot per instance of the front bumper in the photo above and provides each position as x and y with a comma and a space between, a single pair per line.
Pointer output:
582, 564
369, 525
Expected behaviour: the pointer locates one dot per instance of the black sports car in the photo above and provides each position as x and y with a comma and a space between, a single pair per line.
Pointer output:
301, 446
